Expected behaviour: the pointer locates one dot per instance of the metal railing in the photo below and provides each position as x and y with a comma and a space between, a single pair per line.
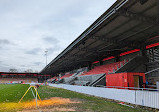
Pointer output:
152, 71
134, 88
96, 81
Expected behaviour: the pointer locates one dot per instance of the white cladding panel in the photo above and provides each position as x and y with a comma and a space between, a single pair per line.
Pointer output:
110, 93
144, 98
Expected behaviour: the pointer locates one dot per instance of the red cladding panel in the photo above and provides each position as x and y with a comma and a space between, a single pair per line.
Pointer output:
123, 79
129, 52
116, 80
95, 62
152, 45
131, 78
108, 58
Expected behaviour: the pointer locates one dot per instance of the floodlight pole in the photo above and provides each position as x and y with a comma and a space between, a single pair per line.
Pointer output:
46, 56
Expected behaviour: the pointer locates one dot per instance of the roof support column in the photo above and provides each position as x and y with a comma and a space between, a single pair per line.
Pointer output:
143, 50
117, 58
143, 53
89, 66
101, 62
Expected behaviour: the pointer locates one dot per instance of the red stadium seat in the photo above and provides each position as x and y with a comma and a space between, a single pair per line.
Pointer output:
67, 75
109, 68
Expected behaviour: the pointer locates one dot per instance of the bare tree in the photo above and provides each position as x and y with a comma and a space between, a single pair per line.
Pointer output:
28, 71
36, 71
13, 70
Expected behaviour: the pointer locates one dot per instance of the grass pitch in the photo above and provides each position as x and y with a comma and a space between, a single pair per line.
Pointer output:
11, 94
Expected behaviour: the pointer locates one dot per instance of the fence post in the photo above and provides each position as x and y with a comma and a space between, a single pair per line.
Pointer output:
135, 98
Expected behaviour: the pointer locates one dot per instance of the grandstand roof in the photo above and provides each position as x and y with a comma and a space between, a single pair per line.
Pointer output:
126, 25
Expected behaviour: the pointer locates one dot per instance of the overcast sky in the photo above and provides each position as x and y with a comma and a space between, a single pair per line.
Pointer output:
28, 27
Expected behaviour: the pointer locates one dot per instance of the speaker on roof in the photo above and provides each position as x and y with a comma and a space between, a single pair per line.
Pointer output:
143, 1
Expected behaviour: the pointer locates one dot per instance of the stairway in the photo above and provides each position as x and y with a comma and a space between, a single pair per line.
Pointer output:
134, 65
100, 81
73, 78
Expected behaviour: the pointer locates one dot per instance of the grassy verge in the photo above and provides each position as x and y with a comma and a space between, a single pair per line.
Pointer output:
12, 93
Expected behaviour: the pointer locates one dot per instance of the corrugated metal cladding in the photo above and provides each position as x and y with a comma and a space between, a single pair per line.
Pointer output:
125, 79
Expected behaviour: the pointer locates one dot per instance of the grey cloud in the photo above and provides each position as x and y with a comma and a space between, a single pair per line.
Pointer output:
6, 65
55, 45
38, 63
34, 51
4, 42
23, 65
52, 50
52, 25
51, 40
3, 68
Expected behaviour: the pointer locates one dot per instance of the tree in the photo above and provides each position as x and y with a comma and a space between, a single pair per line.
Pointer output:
36, 71
13, 70
28, 71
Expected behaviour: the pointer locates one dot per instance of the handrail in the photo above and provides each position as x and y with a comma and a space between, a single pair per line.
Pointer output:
96, 81
152, 71
127, 88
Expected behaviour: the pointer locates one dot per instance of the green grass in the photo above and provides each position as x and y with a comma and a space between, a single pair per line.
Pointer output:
13, 93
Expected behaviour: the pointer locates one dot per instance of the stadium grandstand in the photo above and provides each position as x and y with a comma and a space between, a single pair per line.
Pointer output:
9, 77
121, 45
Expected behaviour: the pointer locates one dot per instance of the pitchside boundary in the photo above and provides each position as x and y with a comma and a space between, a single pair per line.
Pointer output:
138, 97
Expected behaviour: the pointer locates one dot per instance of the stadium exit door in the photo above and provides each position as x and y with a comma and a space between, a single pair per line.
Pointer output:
138, 81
